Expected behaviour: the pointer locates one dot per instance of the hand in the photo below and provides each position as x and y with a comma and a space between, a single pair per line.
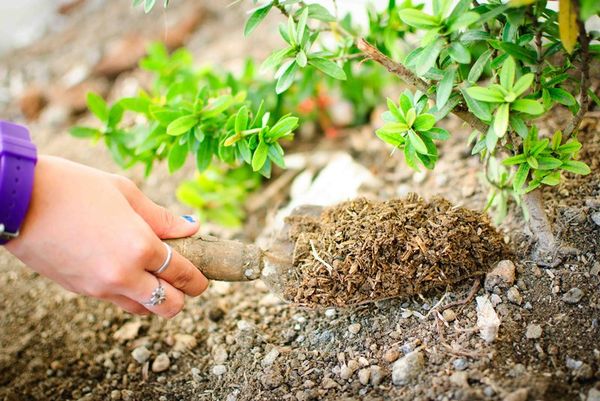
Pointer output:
97, 234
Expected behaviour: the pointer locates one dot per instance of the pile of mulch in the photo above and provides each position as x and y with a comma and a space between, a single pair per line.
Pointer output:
362, 251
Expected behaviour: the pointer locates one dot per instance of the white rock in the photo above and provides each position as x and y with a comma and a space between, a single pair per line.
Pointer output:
503, 275
533, 331
269, 359
220, 354
330, 313
487, 319
141, 354
184, 342
161, 363
407, 368
517, 395
364, 375
128, 331
354, 328
460, 379
377, 375
593, 395
219, 370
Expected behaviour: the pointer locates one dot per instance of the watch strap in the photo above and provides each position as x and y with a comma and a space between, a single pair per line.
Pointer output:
18, 156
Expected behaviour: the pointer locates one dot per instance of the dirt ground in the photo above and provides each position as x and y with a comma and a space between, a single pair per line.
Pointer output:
239, 342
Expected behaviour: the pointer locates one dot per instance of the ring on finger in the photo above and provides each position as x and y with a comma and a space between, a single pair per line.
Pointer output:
167, 261
158, 295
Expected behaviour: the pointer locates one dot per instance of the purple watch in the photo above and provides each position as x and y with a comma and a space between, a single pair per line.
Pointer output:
18, 157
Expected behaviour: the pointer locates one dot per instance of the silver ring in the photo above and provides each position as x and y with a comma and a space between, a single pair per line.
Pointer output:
167, 261
158, 295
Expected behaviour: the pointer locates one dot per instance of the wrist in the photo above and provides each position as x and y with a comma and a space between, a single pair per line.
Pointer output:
18, 157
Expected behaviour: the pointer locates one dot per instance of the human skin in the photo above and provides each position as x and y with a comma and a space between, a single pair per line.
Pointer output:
97, 234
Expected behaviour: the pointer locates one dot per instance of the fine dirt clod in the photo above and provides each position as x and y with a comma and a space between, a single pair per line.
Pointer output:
362, 251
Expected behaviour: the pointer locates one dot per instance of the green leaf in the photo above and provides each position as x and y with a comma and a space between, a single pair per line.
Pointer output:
481, 110
532, 161
437, 133
519, 52
562, 96
204, 154
556, 139
552, 179
97, 106
244, 150
275, 58
576, 167
260, 156
501, 120
256, 18
487, 95
518, 159
527, 106
548, 163
478, 67
301, 27
287, 78
393, 138
275, 153
301, 59
136, 104
507, 74
428, 57
571, 146
445, 86
328, 67
85, 132
417, 18
463, 21
520, 177
459, 53
217, 106
241, 119
182, 125
177, 156
522, 84
519, 126
318, 12
424, 122
283, 127
410, 156
417, 142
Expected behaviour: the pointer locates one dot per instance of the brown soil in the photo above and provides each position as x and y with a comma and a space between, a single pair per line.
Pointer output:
58, 346
362, 251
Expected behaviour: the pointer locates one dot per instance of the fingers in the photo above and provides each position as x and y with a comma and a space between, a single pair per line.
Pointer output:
146, 286
129, 305
183, 275
163, 223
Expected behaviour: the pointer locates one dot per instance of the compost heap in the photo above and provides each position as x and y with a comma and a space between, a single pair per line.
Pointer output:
362, 250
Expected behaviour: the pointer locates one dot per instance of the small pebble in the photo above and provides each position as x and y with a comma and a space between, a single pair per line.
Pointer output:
330, 313
196, 374
593, 395
115, 395
141, 354
391, 355
220, 354
503, 276
407, 367
460, 364
354, 328
514, 295
345, 372
533, 331
269, 359
184, 342
449, 315
364, 375
376, 375
161, 363
495, 300
328, 383
573, 296
219, 370
460, 379
596, 218
517, 395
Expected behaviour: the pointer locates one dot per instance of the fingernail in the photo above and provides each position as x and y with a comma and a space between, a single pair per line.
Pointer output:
189, 218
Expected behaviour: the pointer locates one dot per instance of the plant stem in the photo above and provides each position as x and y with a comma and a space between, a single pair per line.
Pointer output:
584, 99
410, 78
539, 223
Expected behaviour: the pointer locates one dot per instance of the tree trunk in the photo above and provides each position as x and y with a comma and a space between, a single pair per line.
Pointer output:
546, 248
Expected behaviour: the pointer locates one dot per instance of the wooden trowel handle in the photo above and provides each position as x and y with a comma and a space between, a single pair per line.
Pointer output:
221, 259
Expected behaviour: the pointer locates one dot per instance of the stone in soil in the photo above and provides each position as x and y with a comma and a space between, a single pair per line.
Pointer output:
487, 319
533, 331
269, 359
161, 363
407, 368
514, 295
141, 354
128, 331
354, 328
593, 395
573, 296
392, 354
596, 218
503, 275
219, 370
362, 250
377, 375
449, 315
517, 395
364, 376
460, 379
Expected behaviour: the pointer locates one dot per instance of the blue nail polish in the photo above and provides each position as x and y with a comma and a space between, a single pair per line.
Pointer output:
189, 218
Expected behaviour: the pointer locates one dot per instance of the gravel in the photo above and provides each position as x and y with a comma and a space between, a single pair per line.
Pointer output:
161, 363
377, 375
460, 364
219, 370
354, 328
593, 395
514, 295
364, 375
503, 276
407, 368
596, 218
573, 296
517, 395
141, 354
533, 331
269, 359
